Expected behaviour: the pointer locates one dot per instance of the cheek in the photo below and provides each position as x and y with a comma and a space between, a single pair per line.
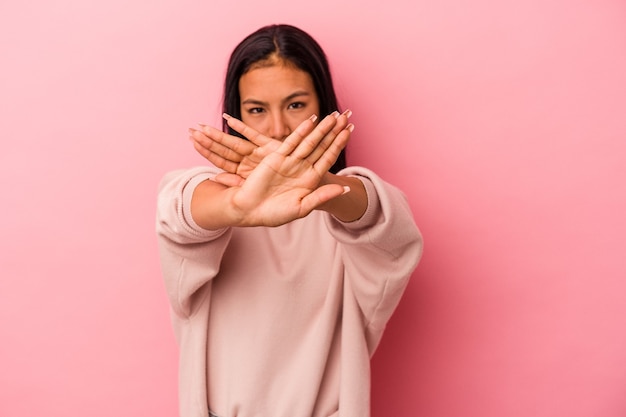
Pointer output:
293, 121
257, 123
295, 118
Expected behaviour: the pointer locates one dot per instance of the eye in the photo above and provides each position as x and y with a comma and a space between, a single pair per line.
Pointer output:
255, 110
296, 105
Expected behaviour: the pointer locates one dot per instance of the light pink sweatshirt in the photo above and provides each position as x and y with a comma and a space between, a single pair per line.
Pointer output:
282, 322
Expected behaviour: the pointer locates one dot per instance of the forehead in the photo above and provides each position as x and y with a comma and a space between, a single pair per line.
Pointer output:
274, 81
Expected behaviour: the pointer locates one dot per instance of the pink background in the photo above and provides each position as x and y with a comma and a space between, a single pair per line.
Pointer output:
504, 123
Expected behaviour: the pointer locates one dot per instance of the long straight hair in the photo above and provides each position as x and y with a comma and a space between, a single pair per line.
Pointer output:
292, 45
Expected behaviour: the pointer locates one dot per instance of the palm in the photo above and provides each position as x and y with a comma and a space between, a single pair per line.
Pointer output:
250, 161
278, 190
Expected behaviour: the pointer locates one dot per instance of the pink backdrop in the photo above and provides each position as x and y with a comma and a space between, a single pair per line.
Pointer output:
504, 122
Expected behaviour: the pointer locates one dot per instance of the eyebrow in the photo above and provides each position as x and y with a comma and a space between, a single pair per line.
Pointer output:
288, 98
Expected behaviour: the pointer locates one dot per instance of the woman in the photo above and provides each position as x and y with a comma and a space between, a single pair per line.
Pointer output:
282, 266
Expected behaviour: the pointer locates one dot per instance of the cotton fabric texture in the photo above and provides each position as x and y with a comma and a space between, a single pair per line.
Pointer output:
282, 321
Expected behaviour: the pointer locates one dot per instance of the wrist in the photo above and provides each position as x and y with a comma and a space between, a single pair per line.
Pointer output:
349, 206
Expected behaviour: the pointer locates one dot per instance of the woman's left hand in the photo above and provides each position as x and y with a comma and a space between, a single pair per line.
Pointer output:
237, 156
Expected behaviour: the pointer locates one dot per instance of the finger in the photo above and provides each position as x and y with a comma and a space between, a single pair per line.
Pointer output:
297, 136
320, 196
302, 141
249, 133
342, 123
227, 143
228, 179
330, 155
202, 140
216, 159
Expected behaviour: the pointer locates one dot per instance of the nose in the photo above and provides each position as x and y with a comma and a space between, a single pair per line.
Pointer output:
279, 128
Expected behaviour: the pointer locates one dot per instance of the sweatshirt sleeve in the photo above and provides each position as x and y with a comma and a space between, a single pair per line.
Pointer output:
380, 251
190, 256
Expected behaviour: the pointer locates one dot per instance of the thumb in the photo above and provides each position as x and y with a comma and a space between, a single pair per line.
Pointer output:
228, 179
322, 195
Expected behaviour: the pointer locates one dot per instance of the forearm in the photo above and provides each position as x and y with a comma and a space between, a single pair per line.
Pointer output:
210, 206
215, 206
349, 206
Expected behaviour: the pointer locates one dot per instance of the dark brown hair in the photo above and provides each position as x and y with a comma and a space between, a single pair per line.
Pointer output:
292, 45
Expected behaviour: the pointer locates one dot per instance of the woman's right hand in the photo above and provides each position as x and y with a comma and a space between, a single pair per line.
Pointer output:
285, 183
237, 156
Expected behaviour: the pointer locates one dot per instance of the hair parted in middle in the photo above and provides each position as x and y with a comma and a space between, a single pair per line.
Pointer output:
291, 45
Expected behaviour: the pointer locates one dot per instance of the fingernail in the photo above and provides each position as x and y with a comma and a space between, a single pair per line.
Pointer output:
346, 190
335, 114
313, 118
350, 127
347, 113
227, 116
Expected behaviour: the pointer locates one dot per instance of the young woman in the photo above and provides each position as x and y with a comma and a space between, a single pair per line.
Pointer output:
282, 265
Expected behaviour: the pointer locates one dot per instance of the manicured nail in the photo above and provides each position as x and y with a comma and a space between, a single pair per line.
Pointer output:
313, 118
335, 114
227, 116
346, 190
350, 127
347, 113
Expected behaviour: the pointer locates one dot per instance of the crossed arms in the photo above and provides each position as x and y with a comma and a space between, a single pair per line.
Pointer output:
267, 182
